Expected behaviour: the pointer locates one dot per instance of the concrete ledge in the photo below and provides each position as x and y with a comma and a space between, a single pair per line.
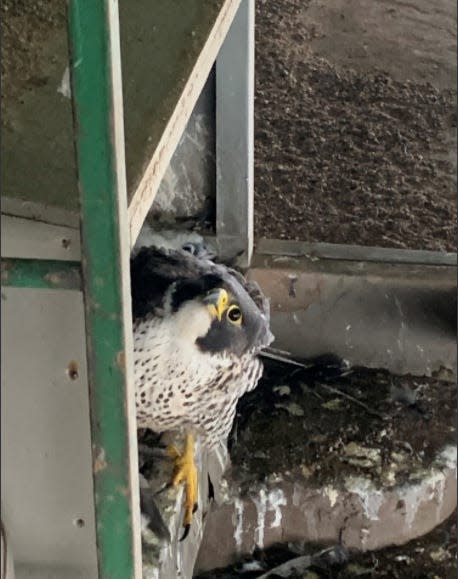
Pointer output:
400, 317
346, 252
357, 513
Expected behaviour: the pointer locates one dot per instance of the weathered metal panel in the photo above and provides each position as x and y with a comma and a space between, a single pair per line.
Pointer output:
31, 239
234, 137
33, 273
47, 491
39, 211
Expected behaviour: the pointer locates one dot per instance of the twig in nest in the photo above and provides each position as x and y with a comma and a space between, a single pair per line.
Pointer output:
353, 399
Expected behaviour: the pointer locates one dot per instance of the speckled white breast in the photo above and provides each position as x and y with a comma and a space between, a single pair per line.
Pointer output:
178, 385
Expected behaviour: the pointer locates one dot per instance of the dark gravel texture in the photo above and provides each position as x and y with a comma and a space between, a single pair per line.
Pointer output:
343, 156
368, 423
24, 26
403, 424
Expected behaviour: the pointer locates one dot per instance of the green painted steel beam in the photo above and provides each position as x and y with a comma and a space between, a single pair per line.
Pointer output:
37, 273
97, 102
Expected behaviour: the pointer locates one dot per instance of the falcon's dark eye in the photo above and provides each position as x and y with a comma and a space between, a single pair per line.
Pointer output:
189, 247
234, 315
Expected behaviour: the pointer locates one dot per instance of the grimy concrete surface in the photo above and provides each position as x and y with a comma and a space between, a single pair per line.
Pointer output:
399, 317
352, 511
414, 40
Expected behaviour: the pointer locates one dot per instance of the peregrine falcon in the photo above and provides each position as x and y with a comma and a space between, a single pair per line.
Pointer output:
198, 330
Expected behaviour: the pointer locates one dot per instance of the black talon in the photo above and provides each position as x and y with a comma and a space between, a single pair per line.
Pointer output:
186, 532
194, 508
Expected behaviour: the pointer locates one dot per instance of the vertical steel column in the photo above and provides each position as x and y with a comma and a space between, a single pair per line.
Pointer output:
234, 137
98, 112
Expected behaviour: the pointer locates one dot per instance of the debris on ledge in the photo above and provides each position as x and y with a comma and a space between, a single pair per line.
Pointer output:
366, 461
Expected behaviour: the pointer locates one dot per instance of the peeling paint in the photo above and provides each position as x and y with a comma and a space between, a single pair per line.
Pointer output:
100, 463
53, 278
121, 360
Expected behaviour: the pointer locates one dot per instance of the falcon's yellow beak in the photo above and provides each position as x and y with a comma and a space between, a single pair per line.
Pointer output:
217, 302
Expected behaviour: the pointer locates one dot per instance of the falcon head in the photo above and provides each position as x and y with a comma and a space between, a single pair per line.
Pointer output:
206, 304
220, 315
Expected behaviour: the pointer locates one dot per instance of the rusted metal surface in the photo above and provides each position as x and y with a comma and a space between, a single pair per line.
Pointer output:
47, 490
97, 100
31, 273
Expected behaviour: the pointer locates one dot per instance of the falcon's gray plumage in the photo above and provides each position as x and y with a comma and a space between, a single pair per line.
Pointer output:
175, 239
198, 330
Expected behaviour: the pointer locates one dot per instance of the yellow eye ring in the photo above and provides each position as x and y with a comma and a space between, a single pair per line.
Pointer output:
234, 315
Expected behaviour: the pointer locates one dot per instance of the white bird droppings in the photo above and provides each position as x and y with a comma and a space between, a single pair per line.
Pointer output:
270, 501
238, 523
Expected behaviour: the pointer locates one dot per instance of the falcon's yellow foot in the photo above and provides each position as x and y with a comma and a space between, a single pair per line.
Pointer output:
185, 471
